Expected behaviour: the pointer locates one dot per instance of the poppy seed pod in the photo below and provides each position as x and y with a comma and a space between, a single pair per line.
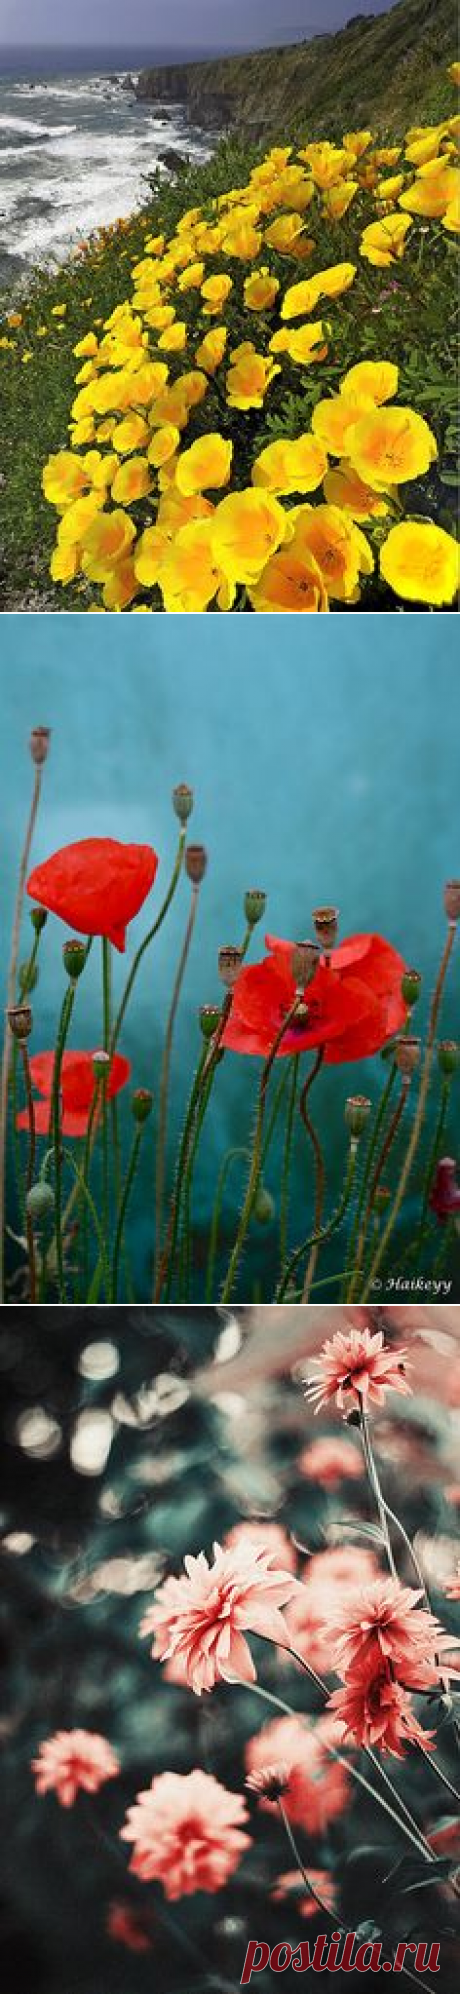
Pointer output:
229, 965
411, 984
448, 1056
264, 1207
304, 960
357, 1111
39, 745
20, 1020
39, 918
101, 1063
39, 1202
142, 1104
452, 900
254, 906
407, 1055
74, 958
195, 863
182, 798
209, 1019
326, 921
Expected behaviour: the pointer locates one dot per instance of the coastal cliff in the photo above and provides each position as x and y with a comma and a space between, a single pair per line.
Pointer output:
374, 70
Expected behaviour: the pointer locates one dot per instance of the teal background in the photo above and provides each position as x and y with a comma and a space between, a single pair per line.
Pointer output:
324, 758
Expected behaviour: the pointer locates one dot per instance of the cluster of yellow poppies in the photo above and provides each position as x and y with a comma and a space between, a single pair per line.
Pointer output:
143, 508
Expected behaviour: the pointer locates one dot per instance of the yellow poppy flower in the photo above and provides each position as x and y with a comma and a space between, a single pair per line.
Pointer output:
130, 434
121, 585
194, 387
421, 562
174, 338
343, 487
337, 199
244, 241
215, 291
171, 407
304, 345
107, 539
75, 521
190, 575
160, 316
291, 582
283, 232
357, 142
334, 419
247, 529
149, 553
433, 190
286, 466
64, 479
383, 243
390, 445
260, 290
206, 465
330, 283
212, 348
375, 378
65, 564
338, 546
163, 445
83, 432
175, 511
192, 277
248, 378
454, 72
451, 219
14, 319
132, 481
388, 190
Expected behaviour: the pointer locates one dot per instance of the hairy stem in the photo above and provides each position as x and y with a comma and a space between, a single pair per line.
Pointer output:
126, 1192
153, 931
64, 1023
379, 1166
368, 1162
10, 997
165, 1073
320, 1180
420, 1109
30, 1170
326, 1231
255, 1170
286, 1167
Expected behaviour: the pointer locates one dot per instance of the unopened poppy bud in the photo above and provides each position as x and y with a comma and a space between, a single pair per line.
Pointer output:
20, 1020
269, 1784
182, 798
39, 745
382, 1195
142, 1104
195, 863
448, 1055
39, 917
229, 964
407, 1055
254, 906
39, 1202
411, 984
74, 957
101, 1064
27, 977
357, 1110
264, 1206
209, 1019
326, 921
452, 900
304, 960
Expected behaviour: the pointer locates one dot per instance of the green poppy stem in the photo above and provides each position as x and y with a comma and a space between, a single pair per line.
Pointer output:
106, 1003
165, 1073
30, 1170
379, 1166
420, 1109
153, 931
256, 1164
368, 1162
286, 1166
126, 1192
231, 1157
166, 1268
64, 1022
432, 1160
326, 1231
10, 998
320, 1184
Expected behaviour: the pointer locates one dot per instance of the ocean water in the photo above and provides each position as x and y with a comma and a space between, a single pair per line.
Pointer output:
324, 767
76, 150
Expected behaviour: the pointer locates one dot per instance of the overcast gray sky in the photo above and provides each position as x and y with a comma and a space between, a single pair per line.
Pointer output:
173, 23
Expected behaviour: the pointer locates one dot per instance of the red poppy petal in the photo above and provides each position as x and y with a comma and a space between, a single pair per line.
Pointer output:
96, 885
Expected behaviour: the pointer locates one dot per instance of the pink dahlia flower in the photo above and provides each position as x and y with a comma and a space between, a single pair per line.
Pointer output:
269, 1537
330, 1461
329, 1578
379, 1713
316, 1788
72, 1762
200, 1617
187, 1832
293, 1881
385, 1631
356, 1364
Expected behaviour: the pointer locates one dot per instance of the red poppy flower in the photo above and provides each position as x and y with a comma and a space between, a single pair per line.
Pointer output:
354, 1002
77, 1089
96, 885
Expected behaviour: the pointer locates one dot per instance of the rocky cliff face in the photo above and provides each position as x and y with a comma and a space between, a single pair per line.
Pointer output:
380, 68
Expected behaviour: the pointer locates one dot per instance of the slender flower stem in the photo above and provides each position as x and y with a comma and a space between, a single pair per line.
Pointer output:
64, 1023
326, 1231
127, 1187
92, 1118
106, 998
320, 1173
368, 1161
166, 1268
286, 1168
231, 1157
185, 1257
146, 942
254, 1174
368, 1753
312, 1892
432, 1161
30, 1169
85, 1193
379, 1166
165, 1073
442, 1776
420, 1109
376, 1489
10, 997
